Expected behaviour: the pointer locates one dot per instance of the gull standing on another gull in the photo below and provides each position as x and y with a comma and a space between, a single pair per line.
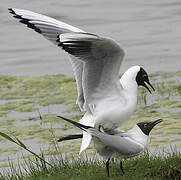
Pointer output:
107, 100
119, 143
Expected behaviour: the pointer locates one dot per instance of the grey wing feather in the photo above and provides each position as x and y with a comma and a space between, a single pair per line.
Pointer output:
114, 132
102, 59
123, 145
50, 28
77, 67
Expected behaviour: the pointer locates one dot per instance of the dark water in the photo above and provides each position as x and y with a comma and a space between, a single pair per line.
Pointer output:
149, 32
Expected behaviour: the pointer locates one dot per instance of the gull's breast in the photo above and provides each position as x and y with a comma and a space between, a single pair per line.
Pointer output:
113, 115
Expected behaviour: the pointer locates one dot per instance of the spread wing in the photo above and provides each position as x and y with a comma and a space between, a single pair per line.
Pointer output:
96, 61
50, 28
101, 59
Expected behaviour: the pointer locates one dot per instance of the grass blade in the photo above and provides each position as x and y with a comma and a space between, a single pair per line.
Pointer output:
8, 137
20, 143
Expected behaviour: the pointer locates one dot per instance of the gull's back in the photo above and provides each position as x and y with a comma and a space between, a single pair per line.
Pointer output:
119, 144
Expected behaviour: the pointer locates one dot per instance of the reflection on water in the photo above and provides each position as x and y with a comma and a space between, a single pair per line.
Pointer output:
149, 31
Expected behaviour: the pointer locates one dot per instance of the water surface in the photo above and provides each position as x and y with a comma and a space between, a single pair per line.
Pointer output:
149, 32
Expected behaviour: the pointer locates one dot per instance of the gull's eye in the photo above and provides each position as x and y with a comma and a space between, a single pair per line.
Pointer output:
144, 76
145, 125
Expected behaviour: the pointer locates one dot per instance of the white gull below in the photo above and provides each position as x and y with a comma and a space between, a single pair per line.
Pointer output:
120, 144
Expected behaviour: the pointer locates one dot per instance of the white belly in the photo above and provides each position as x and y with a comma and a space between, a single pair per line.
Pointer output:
115, 115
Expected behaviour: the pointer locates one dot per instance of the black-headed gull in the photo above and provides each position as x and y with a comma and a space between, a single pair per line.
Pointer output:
119, 143
107, 100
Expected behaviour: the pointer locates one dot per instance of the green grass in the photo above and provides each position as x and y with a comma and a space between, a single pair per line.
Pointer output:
25, 94
146, 166
143, 167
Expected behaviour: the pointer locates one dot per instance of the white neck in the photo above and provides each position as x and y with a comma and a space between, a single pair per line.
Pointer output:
137, 134
129, 84
128, 79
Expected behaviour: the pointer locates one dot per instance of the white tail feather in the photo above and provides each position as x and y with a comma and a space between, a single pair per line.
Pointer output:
88, 121
85, 141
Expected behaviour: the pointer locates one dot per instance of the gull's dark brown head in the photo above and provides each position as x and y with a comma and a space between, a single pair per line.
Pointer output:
142, 79
146, 127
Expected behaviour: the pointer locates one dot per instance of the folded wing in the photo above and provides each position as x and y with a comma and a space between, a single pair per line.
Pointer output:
124, 145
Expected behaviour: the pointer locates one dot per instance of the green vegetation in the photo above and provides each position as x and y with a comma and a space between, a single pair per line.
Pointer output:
143, 167
26, 111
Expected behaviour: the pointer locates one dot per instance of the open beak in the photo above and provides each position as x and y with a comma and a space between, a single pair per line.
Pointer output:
148, 82
154, 123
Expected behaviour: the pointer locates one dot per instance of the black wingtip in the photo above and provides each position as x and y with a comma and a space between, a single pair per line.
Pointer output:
70, 137
60, 44
10, 10
81, 126
24, 20
58, 39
